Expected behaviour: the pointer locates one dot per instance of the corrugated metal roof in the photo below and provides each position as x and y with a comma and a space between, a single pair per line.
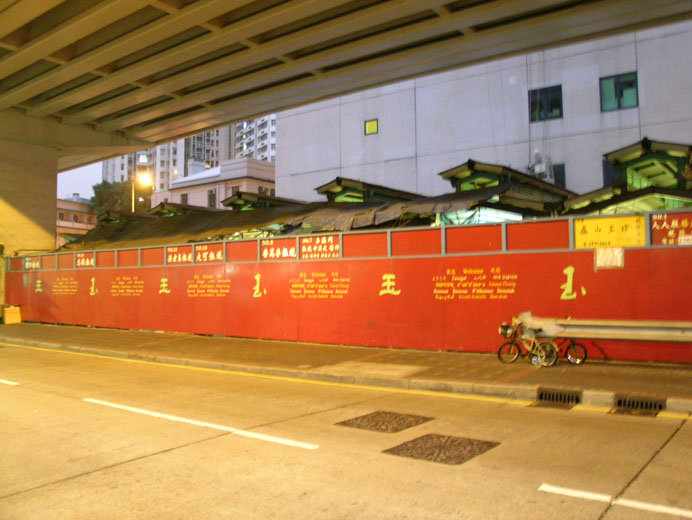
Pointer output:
308, 218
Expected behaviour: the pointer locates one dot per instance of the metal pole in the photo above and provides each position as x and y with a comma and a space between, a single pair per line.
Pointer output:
133, 194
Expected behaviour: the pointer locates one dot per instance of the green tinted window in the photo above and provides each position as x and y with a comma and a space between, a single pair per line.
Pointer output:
608, 99
628, 90
545, 103
618, 92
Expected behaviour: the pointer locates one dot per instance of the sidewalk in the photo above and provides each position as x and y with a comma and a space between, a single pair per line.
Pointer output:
600, 383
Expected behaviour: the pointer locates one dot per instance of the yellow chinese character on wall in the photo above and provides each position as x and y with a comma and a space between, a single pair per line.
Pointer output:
163, 288
39, 286
389, 285
257, 290
568, 292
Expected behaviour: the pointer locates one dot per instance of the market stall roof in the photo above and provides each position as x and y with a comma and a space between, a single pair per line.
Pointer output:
166, 209
653, 163
653, 176
197, 226
646, 146
116, 216
244, 200
525, 194
342, 189
614, 199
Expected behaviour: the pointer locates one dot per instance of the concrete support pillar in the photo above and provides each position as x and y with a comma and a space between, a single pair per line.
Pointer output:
28, 186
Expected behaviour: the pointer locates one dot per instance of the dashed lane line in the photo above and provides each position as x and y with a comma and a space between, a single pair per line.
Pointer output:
624, 502
229, 429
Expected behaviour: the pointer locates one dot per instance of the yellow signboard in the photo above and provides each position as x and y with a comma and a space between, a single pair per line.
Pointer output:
591, 233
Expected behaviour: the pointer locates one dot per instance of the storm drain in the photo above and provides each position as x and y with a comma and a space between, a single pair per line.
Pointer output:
442, 448
639, 405
385, 422
558, 398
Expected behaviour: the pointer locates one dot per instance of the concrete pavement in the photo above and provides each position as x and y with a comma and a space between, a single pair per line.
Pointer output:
596, 383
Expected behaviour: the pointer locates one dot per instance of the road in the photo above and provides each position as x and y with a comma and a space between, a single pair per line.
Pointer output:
87, 437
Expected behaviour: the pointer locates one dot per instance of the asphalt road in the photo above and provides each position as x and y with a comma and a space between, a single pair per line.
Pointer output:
84, 437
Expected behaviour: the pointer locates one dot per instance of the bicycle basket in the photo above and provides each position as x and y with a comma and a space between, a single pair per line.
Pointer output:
505, 330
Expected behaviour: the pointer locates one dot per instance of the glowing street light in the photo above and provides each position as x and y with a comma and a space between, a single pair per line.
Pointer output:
144, 180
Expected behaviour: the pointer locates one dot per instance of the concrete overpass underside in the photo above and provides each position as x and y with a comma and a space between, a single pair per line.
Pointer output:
84, 80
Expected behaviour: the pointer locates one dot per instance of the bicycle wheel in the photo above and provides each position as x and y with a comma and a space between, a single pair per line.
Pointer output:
550, 349
537, 355
576, 353
509, 352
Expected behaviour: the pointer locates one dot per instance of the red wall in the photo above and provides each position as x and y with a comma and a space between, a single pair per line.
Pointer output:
430, 302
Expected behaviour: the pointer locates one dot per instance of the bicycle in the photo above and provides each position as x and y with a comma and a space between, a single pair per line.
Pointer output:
540, 353
575, 352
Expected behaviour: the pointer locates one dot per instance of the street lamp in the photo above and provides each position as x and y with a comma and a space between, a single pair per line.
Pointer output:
144, 180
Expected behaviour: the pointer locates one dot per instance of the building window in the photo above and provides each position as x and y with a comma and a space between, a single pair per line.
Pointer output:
273, 192
618, 92
235, 189
211, 198
122, 166
75, 218
559, 175
61, 216
183, 198
371, 127
545, 103
610, 174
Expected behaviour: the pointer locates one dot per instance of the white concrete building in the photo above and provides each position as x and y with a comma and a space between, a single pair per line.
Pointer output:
565, 107
186, 157
256, 138
173, 160
209, 187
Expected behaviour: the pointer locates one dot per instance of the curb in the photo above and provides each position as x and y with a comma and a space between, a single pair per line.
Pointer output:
600, 399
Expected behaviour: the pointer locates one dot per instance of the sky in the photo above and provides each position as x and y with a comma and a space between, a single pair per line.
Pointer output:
79, 180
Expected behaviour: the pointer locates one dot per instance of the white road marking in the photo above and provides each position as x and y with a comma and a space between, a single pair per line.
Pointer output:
634, 504
230, 429
6, 382
598, 497
656, 508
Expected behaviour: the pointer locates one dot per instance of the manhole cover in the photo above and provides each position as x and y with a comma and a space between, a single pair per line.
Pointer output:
442, 448
386, 422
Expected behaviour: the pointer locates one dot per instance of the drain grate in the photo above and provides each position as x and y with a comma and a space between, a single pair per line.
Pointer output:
442, 448
386, 422
640, 405
558, 398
